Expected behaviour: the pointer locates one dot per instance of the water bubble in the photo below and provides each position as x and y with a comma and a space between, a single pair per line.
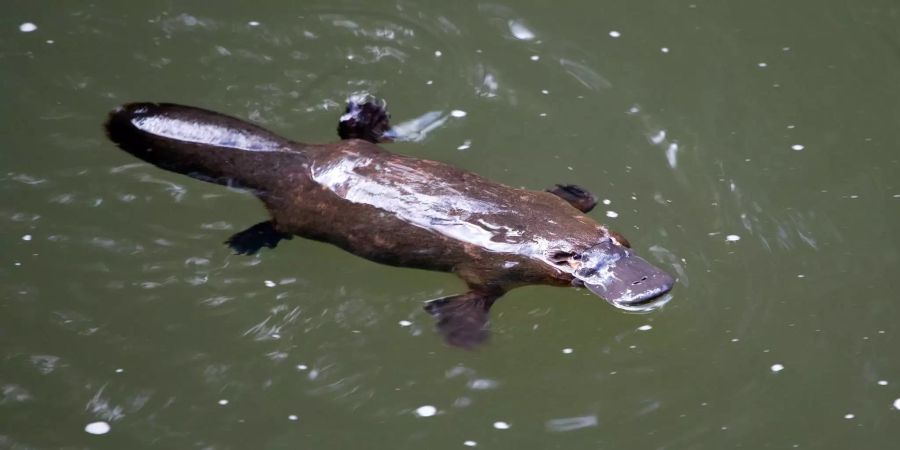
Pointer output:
438, 53
612, 214
27, 237
97, 428
567, 351
797, 147
293, 417
223, 402
777, 368
762, 64
269, 283
614, 34
535, 57
897, 404
664, 49
404, 323
849, 416
426, 411
470, 443
645, 328
27, 27
882, 382
500, 425
458, 113
253, 23
732, 238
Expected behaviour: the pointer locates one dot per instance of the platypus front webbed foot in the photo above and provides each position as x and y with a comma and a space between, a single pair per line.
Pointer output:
462, 319
253, 239
365, 119
577, 196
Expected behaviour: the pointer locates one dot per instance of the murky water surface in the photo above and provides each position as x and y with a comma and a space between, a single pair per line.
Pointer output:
751, 148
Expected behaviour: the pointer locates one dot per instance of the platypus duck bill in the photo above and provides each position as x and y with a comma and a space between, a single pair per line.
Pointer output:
620, 277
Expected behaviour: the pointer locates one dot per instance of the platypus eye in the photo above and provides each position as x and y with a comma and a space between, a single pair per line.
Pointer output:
563, 257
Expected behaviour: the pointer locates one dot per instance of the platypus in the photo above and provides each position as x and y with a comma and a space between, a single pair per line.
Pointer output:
397, 210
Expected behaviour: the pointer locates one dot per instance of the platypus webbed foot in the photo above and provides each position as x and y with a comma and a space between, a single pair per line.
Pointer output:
251, 240
365, 119
462, 319
577, 196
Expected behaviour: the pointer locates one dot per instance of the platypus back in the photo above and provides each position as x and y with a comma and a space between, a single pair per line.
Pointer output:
202, 144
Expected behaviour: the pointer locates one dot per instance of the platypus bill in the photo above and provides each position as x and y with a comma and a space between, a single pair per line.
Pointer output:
397, 210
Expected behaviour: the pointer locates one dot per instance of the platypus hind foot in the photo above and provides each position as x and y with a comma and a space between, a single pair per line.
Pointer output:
577, 196
365, 119
462, 319
253, 239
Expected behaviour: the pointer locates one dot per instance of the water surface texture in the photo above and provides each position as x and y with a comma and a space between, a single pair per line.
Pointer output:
750, 148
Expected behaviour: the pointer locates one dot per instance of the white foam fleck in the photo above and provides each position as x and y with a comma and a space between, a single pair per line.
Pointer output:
520, 31
777, 368
293, 417
567, 350
797, 147
458, 113
735, 340
762, 64
607, 201
120, 370
465, 145
645, 328
615, 34
426, 411
27, 27
732, 238
269, 283
27, 237
302, 367
223, 402
470, 443
612, 214
438, 53
97, 428
897, 404
882, 382
404, 323
791, 127
500, 425
544, 91
253, 23
535, 57
664, 49
849, 416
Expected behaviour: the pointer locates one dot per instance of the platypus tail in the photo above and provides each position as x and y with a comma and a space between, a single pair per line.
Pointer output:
202, 144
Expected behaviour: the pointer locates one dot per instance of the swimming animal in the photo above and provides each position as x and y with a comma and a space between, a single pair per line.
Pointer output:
397, 210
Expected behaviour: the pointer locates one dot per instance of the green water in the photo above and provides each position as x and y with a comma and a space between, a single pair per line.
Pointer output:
774, 123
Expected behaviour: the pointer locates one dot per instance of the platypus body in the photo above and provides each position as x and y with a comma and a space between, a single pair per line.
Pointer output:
395, 209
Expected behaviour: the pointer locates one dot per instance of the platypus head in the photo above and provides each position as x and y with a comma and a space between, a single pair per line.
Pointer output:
625, 280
